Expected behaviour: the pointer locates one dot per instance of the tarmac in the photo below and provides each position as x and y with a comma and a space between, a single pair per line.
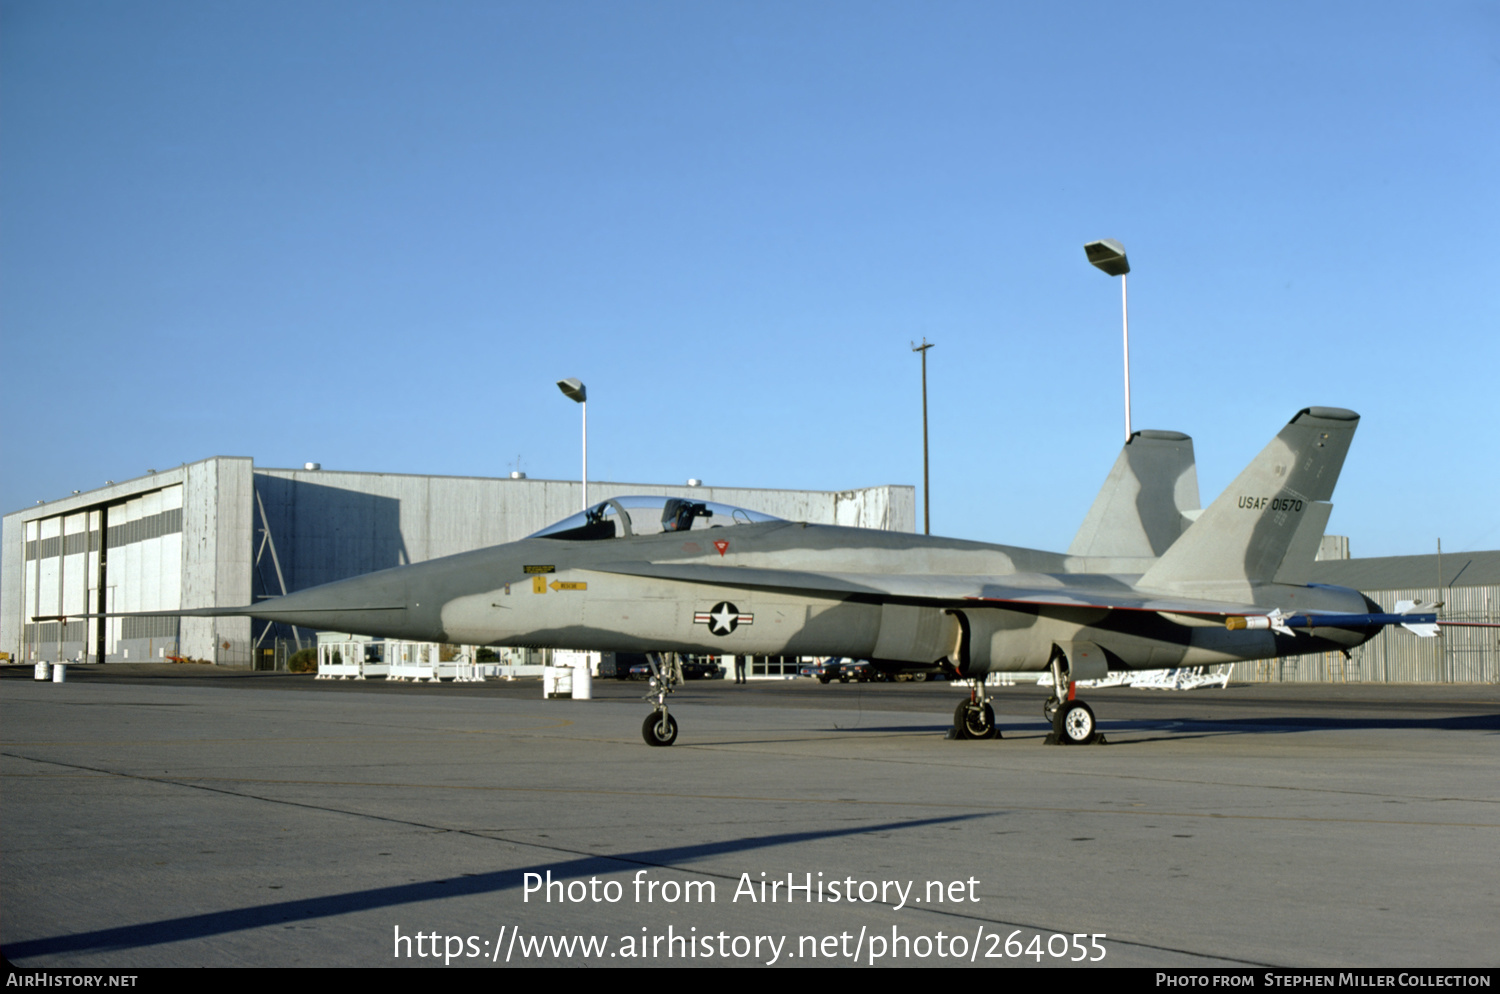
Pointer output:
191, 816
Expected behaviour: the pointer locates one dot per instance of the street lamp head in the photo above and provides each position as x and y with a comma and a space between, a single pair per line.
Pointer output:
573, 389
1108, 255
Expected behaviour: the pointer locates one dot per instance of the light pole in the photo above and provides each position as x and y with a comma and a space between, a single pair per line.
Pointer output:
926, 489
574, 389
1108, 256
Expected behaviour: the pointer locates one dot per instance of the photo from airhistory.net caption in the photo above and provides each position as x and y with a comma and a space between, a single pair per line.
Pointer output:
969, 941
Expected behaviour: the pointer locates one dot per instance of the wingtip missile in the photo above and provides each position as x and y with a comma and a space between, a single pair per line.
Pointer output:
1424, 625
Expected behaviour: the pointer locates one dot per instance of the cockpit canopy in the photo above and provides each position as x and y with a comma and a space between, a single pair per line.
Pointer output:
623, 517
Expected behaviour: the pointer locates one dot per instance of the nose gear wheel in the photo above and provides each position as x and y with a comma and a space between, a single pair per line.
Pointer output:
659, 729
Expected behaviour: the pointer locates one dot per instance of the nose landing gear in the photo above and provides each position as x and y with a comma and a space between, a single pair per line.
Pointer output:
660, 728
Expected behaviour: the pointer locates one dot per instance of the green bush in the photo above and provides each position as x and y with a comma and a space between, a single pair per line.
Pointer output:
303, 661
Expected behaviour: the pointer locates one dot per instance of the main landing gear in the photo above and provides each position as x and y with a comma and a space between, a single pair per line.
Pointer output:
660, 728
975, 718
1072, 720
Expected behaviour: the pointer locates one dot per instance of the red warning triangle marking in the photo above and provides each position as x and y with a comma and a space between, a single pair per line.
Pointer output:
722, 546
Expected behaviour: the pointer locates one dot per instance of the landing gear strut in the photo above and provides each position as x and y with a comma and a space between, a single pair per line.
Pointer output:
660, 728
975, 718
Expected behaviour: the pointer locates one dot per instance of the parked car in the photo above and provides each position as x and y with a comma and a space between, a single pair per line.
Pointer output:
841, 669
701, 668
822, 672
693, 668
857, 670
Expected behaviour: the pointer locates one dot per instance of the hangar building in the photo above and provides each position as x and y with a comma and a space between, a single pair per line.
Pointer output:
224, 532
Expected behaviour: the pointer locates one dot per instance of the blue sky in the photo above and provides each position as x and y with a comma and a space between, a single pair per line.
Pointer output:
375, 234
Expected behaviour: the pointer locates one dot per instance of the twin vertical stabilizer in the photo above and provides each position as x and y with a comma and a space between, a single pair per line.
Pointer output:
1271, 517
1148, 500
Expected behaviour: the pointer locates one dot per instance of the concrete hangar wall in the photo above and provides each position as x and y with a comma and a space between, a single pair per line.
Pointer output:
222, 532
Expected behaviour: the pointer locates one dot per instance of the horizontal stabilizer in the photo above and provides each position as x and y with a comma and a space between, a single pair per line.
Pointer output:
1296, 565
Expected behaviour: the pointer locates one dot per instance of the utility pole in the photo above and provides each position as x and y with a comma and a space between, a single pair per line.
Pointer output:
926, 482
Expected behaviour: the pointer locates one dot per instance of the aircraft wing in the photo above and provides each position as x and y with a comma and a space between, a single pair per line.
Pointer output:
1026, 591
948, 590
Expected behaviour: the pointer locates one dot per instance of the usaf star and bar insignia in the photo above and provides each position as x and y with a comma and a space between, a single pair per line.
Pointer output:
723, 619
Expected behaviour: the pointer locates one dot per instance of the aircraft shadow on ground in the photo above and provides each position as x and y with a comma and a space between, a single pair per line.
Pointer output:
1286, 724
214, 923
1176, 730
1181, 731
1239, 726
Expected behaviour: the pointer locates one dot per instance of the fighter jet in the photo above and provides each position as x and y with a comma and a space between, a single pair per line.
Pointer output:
1151, 581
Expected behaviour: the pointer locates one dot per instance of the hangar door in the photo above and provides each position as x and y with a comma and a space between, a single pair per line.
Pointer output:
125, 556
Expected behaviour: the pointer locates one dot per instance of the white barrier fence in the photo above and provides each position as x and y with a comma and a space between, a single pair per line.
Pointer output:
570, 673
421, 662
1182, 678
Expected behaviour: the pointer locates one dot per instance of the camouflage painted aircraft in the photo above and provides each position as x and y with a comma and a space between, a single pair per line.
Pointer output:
1149, 582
